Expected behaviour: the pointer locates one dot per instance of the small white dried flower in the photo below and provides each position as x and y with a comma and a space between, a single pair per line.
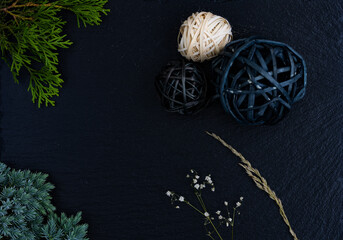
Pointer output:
197, 176
196, 186
194, 180
230, 219
187, 176
169, 193
218, 212
213, 189
192, 171
208, 179
226, 203
181, 199
220, 217
227, 224
177, 207
238, 204
241, 198
202, 186
206, 214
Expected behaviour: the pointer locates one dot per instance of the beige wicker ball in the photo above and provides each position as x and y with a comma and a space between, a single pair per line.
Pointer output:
203, 35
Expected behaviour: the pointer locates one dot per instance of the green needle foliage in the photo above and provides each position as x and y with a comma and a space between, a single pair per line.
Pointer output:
31, 34
26, 212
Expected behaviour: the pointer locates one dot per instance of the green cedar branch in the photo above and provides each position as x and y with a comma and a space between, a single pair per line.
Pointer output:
31, 35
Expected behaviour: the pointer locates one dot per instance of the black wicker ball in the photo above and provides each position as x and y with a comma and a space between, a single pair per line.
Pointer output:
259, 80
182, 87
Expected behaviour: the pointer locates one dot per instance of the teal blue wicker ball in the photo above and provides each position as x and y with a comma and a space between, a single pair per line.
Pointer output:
259, 80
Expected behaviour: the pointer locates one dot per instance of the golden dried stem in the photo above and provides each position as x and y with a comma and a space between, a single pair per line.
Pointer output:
260, 181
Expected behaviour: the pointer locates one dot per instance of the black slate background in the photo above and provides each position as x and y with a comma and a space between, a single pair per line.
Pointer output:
112, 151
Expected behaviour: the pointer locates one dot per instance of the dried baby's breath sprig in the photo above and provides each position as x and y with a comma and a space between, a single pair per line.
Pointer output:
229, 221
260, 181
211, 223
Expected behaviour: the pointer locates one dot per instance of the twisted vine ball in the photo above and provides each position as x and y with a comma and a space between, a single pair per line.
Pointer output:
203, 35
182, 87
259, 80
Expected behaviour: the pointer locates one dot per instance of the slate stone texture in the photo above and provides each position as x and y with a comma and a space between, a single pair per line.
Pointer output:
112, 151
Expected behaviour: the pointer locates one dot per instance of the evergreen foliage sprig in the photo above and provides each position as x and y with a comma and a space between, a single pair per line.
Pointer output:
31, 34
26, 211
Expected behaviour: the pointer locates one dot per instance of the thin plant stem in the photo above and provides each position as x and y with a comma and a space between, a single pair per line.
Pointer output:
233, 222
215, 229
209, 218
211, 236
189, 204
15, 16
201, 201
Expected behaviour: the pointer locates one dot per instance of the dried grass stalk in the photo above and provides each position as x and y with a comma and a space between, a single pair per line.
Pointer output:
260, 181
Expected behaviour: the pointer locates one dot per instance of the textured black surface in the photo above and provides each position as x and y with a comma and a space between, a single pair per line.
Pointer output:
112, 151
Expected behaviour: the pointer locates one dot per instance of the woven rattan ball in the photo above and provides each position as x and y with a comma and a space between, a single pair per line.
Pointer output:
182, 87
203, 35
259, 80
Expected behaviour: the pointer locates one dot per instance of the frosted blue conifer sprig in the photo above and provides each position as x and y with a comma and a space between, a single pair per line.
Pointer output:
26, 212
